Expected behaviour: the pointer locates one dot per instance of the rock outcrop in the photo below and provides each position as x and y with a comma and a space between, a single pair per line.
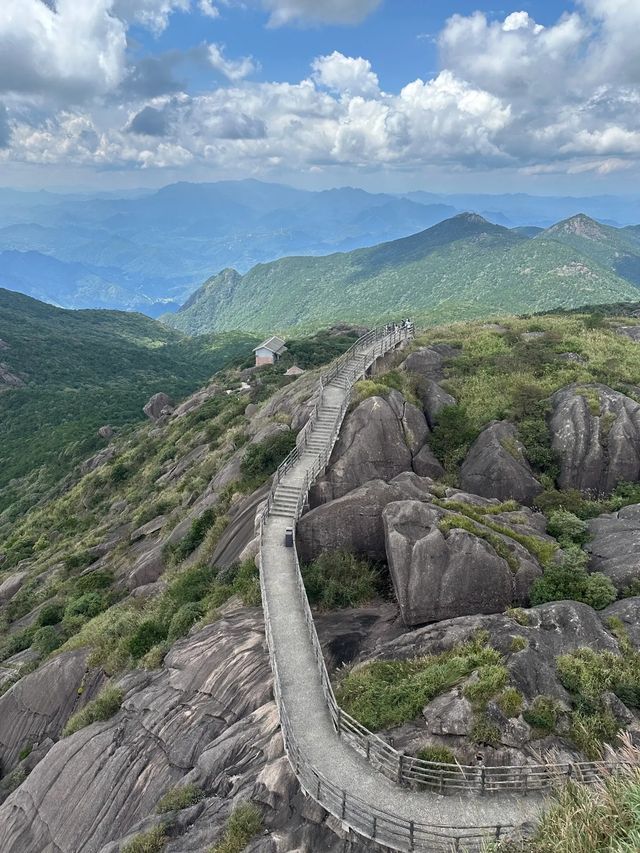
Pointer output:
158, 406
429, 361
39, 705
433, 399
596, 434
496, 466
205, 718
541, 635
379, 440
354, 522
443, 564
615, 546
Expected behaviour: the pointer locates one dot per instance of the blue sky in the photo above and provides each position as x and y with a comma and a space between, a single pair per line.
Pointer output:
386, 94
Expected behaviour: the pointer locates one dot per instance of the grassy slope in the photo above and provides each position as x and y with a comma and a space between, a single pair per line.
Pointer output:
464, 266
82, 370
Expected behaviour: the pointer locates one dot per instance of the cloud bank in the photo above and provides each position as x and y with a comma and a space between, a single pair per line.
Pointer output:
509, 93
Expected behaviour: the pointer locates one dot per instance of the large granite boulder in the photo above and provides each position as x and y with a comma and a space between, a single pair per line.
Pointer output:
596, 434
354, 522
11, 586
39, 705
429, 361
433, 399
614, 547
378, 440
444, 564
496, 466
158, 406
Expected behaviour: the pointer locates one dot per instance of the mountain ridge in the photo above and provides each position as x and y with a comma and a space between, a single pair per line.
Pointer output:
464, 264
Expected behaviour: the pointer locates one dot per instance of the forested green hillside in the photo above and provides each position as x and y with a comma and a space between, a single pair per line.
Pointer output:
462, 268
82, 370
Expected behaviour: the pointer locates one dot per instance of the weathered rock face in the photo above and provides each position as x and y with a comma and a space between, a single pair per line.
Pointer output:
98, 460
105, 432
158, 406
205, 718
440, 575
354, 522
11, 585
433, 399
615, 546
496, 466
379, 440
9, 379
39, 705
596, 434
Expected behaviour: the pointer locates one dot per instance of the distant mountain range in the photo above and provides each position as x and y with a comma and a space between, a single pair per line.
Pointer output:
149, 250
461, 268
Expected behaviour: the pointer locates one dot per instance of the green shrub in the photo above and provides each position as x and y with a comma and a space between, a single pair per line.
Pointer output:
47, 639
484, 731
491, 678
180, 797
339, 579
147, 842
436, 754
243, 825
569, 581
147, 634
261, 460
89, 604
510, 702
452, 437
51, 614
567, 527
589, 731
17, 642
542, 714
382, 694
518, 644
92, 582
587, 673
105, 705
519, 615
184, 619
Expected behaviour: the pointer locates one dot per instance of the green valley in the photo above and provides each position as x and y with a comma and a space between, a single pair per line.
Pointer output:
64, 374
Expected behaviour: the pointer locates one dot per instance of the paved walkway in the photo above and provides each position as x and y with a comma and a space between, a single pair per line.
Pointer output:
303, 699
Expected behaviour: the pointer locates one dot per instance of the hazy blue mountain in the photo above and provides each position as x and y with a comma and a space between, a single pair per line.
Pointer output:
149, 250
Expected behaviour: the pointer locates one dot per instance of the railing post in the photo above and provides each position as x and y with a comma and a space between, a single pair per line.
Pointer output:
482, 781
339, 720
344, 804
400, 766
411, 832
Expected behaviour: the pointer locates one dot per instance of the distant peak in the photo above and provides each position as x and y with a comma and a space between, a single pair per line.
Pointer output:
581, 225
471, 218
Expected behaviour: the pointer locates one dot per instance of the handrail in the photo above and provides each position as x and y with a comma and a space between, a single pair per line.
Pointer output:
407, 770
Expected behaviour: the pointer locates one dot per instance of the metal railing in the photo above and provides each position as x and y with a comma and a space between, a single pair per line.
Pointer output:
366, 820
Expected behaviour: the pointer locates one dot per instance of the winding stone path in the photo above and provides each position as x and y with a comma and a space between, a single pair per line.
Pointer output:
300, 686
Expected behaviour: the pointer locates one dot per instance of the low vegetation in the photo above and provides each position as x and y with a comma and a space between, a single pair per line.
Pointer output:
243, 825
153, 841
383, 694
180, 797
103, 707
340, 579
600, 818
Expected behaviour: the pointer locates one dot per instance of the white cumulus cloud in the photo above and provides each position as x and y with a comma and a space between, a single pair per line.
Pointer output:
232, 69
346, 74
